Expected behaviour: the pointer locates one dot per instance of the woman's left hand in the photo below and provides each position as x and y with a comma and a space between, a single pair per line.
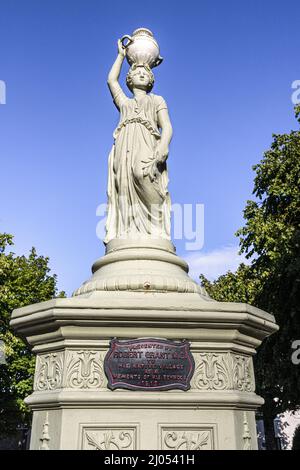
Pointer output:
162, 153
151, 165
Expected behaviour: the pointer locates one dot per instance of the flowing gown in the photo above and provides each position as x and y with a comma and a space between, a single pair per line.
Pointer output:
138, 204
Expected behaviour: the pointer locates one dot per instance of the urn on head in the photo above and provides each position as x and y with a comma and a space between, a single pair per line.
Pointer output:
142, 48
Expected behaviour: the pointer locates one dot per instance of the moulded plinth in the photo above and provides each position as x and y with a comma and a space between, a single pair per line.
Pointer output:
73, 407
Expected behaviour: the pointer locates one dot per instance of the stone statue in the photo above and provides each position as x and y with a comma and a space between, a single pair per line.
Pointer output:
139, 253
138, 198
139, 296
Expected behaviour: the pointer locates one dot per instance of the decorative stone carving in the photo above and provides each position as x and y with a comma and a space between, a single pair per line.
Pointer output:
129, 282
140, 287
187, 439
45, 434
243, 376
109, 438
82, 369
139, 203
147, 266
211, 372
85, 369
247, 445
49, 371
223, 371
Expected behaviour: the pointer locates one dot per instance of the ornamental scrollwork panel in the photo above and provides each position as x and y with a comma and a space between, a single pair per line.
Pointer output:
223, 371
49, 371
211, 372
84, 369
187, 439
81, 369
109, 439
243, 376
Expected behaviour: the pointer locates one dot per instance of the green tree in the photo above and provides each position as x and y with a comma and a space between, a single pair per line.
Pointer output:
241, 286
270, 239
23, 281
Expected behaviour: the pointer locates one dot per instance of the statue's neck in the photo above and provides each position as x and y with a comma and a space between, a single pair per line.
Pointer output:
137, 93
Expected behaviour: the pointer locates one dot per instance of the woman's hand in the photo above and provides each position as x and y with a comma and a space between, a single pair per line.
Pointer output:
151, 165
162, 152
121, 49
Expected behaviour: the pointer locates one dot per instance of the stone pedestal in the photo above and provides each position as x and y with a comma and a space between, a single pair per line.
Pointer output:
142, 290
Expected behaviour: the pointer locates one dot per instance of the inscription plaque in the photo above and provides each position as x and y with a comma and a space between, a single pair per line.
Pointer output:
149, 364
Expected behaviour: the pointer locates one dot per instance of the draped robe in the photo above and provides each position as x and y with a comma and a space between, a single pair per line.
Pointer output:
138, 205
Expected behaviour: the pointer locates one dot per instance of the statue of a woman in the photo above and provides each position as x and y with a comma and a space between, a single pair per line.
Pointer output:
138, 198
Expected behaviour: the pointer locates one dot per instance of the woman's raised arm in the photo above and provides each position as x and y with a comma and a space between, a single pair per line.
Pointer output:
113, 76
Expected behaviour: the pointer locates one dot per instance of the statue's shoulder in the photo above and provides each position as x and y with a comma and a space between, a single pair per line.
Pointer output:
158, 99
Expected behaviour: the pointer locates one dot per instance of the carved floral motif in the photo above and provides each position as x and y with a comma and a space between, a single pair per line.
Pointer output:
243, 374
223, 371
194, 439
49, 371
84, 369
108, 439
211, 372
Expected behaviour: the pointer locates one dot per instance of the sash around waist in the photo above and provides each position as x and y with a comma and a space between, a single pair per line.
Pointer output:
140, 120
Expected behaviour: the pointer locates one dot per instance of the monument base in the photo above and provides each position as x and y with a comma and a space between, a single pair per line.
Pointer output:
181, 427
74, 409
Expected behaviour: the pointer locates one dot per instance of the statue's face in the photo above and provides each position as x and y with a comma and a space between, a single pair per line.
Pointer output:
140, 78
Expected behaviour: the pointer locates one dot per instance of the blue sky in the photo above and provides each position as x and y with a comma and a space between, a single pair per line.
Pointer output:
227, 77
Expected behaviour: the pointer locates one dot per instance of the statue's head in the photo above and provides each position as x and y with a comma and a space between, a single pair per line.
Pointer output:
140, 76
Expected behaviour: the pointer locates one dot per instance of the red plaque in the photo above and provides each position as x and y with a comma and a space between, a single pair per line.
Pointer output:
149, 364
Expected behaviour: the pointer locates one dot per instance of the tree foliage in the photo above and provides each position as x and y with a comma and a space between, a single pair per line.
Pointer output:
241, 286
270, 240
23, 281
